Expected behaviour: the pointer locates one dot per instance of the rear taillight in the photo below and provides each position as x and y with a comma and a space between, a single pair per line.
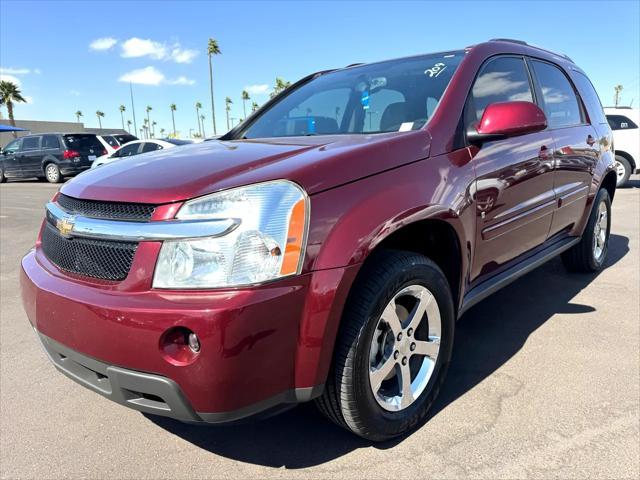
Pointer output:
104, 152
116, 147
69, 154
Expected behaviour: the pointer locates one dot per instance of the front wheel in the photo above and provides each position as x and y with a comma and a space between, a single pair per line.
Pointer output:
52, 172
591, 252
393, 349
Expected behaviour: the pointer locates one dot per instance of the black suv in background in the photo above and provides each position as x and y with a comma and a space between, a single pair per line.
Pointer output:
49, 155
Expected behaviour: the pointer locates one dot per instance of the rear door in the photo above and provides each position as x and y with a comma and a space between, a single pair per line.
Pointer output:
51, 150
150, 147
577, 146
87, 145
31, 156
513, 194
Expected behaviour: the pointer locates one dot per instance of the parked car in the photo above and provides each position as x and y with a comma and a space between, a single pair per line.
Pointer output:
324, 248
50, 155
626, 140
114, 141
137, 147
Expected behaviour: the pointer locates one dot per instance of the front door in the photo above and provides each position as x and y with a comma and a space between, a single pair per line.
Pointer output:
10, 161
514, 195
31, 156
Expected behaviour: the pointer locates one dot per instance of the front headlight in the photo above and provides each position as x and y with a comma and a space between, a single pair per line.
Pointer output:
267, 244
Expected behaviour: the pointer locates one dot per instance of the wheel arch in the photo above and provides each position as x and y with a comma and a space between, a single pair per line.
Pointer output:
629, 158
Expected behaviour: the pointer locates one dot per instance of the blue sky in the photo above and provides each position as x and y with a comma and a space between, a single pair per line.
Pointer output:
49, 48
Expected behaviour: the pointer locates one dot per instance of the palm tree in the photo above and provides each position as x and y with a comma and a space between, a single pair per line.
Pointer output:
173, 109
228, 103
153, 128
78, 115
122, 109
162, 133
202, 123
245, 97
616, 97
212, 49
198, 107
129, 125
148, 109
99, 114
9, 93
254, 106
280, 86
146, 127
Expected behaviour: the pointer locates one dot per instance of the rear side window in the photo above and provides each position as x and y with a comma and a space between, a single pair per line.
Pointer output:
82, 142
128, 150
620, 122
590, 97
30, 143
503, 79
150, 147
559, 101
110, 140
122, 139
50, 141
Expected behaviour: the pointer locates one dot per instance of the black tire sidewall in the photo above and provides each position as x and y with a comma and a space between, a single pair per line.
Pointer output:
388, 424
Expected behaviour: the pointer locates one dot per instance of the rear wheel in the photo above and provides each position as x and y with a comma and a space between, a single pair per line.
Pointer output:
52, 172
589, 255
2, 177
623, 170
393, 349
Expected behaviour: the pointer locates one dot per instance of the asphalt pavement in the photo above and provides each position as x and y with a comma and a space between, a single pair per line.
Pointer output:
545, 383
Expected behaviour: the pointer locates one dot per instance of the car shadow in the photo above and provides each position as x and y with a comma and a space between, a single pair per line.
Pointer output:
487, 336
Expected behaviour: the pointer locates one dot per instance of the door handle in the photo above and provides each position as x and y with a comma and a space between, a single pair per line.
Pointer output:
591, 141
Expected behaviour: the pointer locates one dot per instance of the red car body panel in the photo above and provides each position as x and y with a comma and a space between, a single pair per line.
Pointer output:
502, 200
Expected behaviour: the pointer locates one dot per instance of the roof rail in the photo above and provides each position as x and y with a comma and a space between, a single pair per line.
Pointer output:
521, 42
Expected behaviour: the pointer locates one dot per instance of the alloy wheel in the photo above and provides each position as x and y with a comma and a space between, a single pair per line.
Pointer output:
404, 348
600, 232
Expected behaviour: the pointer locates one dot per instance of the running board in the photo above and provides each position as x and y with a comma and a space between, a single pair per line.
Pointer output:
491, 286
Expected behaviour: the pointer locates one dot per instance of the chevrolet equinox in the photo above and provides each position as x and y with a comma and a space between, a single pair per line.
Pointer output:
324, 248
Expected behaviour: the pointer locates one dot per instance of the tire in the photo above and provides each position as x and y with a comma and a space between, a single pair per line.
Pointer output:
2, 177
52, 173
349, 399
623, 170
585, 256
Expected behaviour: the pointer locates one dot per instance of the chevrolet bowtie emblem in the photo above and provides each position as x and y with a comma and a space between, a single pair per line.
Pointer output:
65, 225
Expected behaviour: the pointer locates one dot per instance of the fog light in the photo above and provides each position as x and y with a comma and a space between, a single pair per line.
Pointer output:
194, 343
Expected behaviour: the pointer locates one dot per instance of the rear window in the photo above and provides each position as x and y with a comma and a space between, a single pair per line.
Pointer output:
620, 122
122, 139
83, 142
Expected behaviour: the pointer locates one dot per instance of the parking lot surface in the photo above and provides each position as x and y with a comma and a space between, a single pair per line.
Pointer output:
545, 382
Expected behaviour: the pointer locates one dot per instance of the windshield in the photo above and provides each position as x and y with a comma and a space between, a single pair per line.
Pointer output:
391, 96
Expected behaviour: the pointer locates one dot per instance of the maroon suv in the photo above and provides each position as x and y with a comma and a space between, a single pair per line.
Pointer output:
324, 248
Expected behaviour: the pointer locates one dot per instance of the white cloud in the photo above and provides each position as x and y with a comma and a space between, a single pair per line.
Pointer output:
138, 47
153, 76
37, 71
261, 89
144, 76
185, 55
182, 80
9, 78
15, 71
104, 43
75, 93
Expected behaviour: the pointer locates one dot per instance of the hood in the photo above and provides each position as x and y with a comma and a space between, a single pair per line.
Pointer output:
315, 163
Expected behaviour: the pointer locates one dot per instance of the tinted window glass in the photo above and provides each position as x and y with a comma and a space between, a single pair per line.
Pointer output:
150, 147
590, 97
620, 122
12, 146
559, 100
504, 79
30, 143
110, 140
177, 141
379, 97
83, 142
122, 139
50, 141
128, 150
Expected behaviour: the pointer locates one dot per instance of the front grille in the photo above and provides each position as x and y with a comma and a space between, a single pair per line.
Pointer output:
109, 210
105, 260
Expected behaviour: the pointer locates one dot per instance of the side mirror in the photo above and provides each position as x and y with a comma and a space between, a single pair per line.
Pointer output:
507, 119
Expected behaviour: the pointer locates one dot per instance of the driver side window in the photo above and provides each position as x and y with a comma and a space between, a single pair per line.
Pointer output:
12, 147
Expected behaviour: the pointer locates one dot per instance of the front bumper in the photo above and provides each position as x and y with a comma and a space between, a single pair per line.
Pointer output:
261, 348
